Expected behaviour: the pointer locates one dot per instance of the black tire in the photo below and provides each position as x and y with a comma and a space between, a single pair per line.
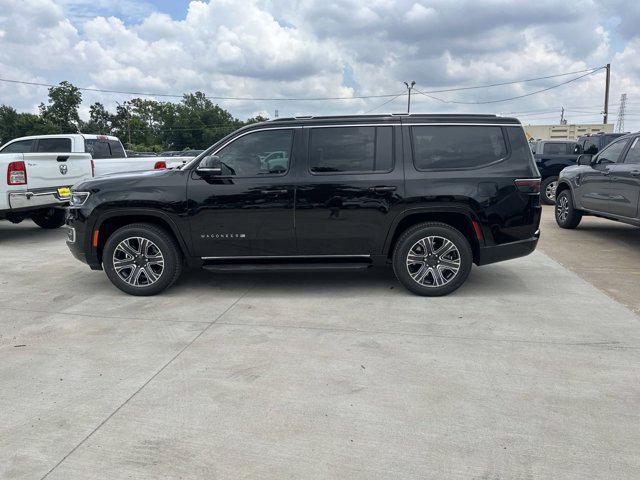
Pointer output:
409, 242
49, 219
159, 240
548, 189
567, 215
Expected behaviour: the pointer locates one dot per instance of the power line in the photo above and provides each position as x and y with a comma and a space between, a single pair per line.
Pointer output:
300, 99
485, 102
383, 104
211, 97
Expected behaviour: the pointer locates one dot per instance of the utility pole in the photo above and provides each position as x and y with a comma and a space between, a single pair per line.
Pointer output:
562, 121
621, 111
606, 94
409, 88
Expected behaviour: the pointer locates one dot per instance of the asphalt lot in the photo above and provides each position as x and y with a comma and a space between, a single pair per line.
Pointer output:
528, 371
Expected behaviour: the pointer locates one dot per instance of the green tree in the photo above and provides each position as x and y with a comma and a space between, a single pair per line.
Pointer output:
99, 120
62, 111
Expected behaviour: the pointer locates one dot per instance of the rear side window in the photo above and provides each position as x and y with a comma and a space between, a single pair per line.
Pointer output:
54, 145
23, 146
116, 149
452, 147
98, 149
590, 146
558, 148
351, 150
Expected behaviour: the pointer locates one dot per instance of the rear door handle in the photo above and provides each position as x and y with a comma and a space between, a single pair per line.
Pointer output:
62, 158
635, 173
606, 172
383, 188
275, 191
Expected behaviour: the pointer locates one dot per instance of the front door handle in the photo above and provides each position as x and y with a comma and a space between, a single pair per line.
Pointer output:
606, 172
383, 188
275, 191
635, 173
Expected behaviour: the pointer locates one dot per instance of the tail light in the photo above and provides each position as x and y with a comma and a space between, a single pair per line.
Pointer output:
160, 165
93, 168
528, 185
17, 173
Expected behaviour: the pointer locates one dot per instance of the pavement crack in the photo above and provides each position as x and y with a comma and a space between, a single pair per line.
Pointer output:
162, 369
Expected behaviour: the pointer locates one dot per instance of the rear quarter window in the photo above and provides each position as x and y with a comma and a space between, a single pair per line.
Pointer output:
444, 147
117, 151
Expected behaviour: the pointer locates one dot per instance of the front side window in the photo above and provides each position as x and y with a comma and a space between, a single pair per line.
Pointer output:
351, 150
259, 153
633, 155
54, 145
611, 154
454, 147
23, 146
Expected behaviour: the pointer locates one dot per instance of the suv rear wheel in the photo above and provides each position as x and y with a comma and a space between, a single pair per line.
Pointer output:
567, 216
49, 219
142, 259
432, 259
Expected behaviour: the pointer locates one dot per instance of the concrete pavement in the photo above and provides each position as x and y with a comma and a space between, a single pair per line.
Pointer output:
528, 371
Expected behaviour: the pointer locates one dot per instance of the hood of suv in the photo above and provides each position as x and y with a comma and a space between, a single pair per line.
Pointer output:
123, 180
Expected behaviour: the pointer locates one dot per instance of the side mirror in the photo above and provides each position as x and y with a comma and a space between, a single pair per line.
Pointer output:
577, 149
210, 164
584, 159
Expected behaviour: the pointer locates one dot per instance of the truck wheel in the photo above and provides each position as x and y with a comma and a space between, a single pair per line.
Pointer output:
548, 190
142, 259
567, 216
49, 219
432, 259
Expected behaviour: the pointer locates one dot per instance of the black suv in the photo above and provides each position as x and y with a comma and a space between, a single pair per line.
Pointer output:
430, 194
606, 185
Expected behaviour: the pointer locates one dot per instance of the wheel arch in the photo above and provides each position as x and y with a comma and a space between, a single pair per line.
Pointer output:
110, 221
461, 218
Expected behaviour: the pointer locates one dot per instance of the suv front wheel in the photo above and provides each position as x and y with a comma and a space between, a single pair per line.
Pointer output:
142, 259
567, 216
432, 259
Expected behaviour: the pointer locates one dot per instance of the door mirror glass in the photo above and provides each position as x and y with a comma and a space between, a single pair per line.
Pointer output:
577, 149
210, 164
585, 159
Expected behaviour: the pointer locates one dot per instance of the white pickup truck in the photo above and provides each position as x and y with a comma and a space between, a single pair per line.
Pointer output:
40, 169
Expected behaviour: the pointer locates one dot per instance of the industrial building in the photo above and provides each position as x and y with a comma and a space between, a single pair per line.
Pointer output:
569, 131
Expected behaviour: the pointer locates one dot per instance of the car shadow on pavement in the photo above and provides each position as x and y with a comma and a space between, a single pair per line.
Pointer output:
27, 230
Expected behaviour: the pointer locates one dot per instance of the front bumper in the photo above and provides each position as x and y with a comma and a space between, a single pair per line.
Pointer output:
79, 242
30, 200
507, 251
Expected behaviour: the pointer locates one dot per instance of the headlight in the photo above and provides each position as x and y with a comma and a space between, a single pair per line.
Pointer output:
78, 198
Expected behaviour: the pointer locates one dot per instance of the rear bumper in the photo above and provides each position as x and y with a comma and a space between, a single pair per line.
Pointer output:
36, 199
507, 251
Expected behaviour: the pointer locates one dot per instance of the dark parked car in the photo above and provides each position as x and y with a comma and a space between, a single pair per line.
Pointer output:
551, 157
606, 185
429, 194
592, 144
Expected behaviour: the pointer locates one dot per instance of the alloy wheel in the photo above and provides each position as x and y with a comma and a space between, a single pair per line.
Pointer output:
138, 261
562, 208
433, 261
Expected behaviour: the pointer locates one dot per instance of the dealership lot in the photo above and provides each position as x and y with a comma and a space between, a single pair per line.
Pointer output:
527, 371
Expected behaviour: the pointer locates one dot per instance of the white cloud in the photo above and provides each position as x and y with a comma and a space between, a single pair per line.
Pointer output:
302, 48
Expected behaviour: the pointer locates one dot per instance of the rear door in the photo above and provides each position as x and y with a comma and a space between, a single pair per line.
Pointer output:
52, 163
348, 187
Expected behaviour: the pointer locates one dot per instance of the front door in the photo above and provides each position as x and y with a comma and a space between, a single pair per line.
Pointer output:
595, 189
625, 183
247, 209
347, 189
